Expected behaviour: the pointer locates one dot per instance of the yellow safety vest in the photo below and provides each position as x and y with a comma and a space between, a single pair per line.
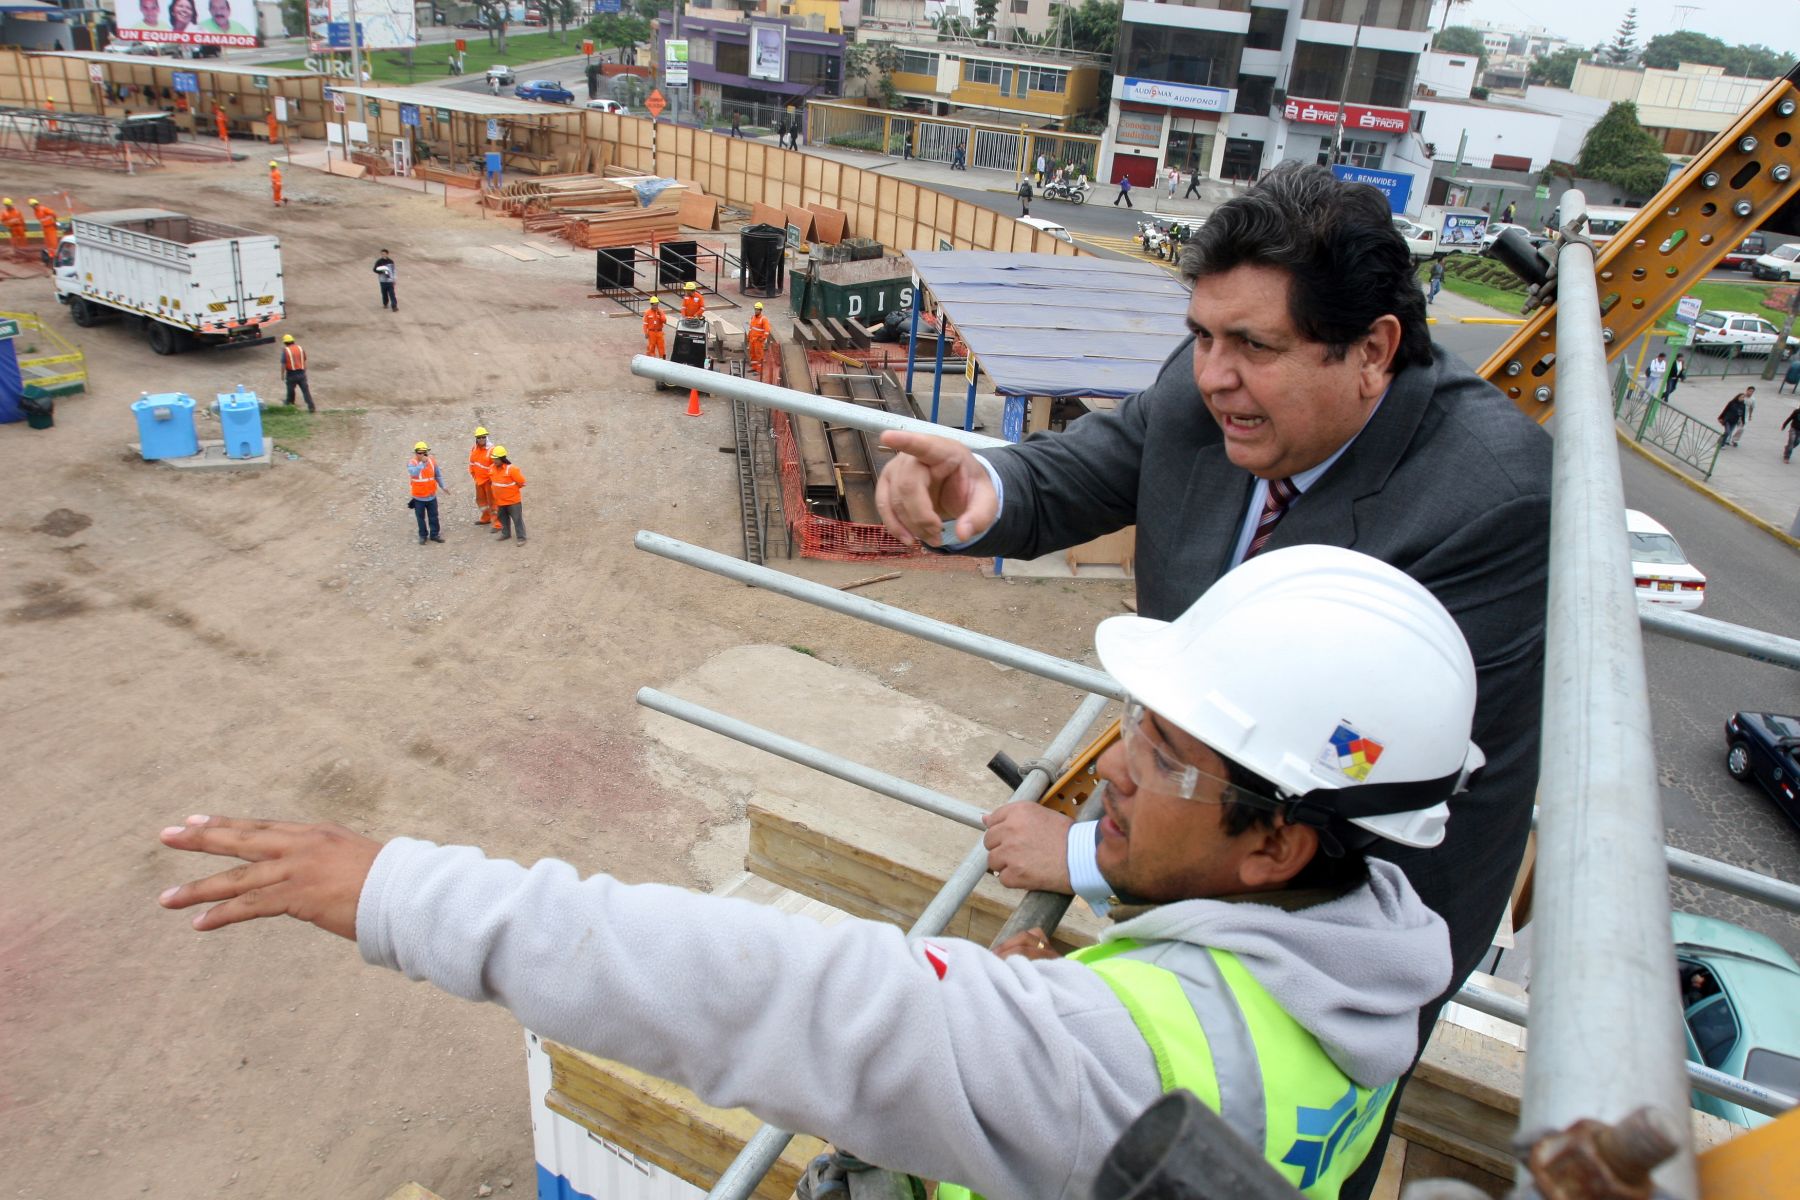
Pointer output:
1281, 1090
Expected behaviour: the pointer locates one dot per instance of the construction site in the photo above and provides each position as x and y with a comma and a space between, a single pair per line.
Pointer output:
271, 642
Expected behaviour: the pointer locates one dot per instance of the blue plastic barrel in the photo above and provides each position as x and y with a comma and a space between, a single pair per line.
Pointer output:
240, 417
166, 426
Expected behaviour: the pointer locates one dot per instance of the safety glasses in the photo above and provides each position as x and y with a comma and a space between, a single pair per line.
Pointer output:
1152, 766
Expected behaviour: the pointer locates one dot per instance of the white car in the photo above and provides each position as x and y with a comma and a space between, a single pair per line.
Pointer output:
608, 106
1418, 238
1662, 573
1721, 331
1783, 262
500, 73
1495, 230
1050, 227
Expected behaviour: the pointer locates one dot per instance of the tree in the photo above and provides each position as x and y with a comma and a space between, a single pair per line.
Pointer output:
619, 31
1093, 25
1460, 39
986, 11
1622, 152
494, 15
1666, 51
1758, 62
1622, 51
874, 63
1558, 69
560, 12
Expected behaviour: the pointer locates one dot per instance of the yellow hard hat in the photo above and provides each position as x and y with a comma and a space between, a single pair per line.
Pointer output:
759, 305
273, 163
499, 451
420, 446
656, 300
480, 431
33, 201
6, 200
689, 286
287, 337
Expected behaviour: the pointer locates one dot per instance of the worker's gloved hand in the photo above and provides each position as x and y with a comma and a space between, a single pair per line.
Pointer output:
929, 481
1028, 846
313, 873
1032, 943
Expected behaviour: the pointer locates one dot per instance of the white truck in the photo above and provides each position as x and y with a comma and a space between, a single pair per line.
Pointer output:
186, 281
1444, 229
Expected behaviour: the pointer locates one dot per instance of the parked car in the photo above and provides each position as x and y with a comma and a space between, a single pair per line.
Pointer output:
1660, 570
1050, 227
544, 89
1737, 996
608, 106
1783, 262
1419, 239
501, 73
1746, 253
479, 22
1720, 330
1495, 230
1764, 748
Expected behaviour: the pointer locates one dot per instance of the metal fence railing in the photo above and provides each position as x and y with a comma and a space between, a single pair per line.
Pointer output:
985, 147
1653, 419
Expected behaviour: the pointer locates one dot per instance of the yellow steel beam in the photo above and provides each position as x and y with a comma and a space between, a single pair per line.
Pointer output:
1731, 187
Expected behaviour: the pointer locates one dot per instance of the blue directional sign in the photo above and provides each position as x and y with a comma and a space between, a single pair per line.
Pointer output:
186, 81
606, 6
409, 114
337, 35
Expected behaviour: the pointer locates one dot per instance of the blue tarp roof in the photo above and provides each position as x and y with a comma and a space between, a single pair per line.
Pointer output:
1058, 325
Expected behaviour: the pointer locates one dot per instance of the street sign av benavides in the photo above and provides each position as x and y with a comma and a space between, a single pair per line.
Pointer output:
655, 103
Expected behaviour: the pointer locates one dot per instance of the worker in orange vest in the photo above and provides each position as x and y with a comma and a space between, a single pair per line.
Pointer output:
422, 473
693, 304
481, 469
758, 339
14, 220
654, 320
293, 369
223, 127
50, 102
508, 481
47, 222
275, 181
274, 132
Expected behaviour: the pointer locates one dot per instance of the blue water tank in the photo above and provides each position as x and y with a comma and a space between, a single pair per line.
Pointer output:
240, 418
166, 425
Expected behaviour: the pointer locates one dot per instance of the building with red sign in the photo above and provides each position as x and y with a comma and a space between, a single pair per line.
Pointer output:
1232, 87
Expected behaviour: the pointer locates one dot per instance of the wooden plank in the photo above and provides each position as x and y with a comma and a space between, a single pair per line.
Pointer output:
348, 170
802, 217
699, 212
829, 224
519, 253
840, 334
548, 249
763, 214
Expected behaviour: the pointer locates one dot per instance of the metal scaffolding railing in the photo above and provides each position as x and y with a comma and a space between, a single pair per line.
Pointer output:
1606, 1029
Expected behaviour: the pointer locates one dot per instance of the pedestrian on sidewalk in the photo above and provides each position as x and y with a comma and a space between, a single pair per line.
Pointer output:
422, 473
737, 126
1437, 280
906, 144
385, 273
481, 470
959, 160
1193, 188
1677, 373
293, 369
1792, 425
593, 81
1025, 196
1043, 168
1731, 418
1749, 395
1654, 373
1506, 218
507, 481
1174, 181
1124, 192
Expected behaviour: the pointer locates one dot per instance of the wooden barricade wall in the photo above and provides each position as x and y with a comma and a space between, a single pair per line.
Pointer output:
30, 80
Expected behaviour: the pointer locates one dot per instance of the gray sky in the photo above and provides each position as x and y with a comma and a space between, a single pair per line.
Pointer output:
1772, 22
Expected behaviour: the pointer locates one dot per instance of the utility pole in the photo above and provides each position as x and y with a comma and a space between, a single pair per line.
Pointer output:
356, 77
674, 92
1337, 131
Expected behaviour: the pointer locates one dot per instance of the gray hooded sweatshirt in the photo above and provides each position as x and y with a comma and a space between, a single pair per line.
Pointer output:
931, 1056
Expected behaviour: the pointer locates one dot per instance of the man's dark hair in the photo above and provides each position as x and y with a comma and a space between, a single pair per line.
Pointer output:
1332, 872
1337, 243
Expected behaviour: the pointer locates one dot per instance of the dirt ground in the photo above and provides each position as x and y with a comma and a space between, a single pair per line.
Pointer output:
277, 644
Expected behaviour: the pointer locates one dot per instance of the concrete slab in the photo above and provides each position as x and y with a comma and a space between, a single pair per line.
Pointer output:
212, 458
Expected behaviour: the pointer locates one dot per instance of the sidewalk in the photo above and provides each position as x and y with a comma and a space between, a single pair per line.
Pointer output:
1751, 474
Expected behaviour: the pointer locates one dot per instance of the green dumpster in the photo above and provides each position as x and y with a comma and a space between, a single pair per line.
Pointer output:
863, 292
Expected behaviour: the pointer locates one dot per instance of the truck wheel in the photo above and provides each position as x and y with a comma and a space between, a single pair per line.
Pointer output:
81, 312
164, 340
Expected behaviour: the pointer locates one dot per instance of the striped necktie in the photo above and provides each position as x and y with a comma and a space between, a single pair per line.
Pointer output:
1282, 493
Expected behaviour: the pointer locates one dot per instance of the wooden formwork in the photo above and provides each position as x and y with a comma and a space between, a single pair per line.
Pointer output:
32, 80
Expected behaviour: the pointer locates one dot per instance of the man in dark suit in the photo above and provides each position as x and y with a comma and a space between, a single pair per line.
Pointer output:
1310, 407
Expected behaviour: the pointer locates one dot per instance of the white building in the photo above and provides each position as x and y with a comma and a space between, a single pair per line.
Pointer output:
1577, 114
1444, 74
1232, 89
1683, 108
1501, 136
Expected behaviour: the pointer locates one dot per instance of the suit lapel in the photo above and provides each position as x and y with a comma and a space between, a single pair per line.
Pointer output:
1212, 512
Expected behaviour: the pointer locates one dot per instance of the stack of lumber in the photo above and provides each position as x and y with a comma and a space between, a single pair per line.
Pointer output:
628, 227
467, 177
374, 160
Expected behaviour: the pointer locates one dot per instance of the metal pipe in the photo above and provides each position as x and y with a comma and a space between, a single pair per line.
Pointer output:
1036, 662
1713, 1082
823, 761
1721, 635
912, 340
767, 395
1608, 1039
1734, 879
937, 369
741, 1178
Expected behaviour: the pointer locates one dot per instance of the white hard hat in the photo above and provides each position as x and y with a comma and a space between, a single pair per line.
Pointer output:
1324, 671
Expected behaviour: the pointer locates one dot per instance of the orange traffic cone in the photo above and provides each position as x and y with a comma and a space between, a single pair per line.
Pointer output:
693, 402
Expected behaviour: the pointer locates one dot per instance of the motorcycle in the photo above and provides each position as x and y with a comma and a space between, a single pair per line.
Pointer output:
1154, 235
1062, 189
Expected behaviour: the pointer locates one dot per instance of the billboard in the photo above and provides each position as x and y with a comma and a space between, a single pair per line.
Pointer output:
380, 24
675, 62
188, 22
768, 53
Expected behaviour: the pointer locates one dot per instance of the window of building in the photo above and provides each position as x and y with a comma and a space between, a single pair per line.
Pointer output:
1190, 148
1255, 94
1139, 129
700, 52
918, 62
733, 58
868, 7
1020, 6
993, 74
1205, 57
1267, 28
1042, 79
1384, 14
1367, 154
812, 68
1379, 77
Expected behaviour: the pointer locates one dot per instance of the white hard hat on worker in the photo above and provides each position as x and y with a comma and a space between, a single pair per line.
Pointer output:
1336, 685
